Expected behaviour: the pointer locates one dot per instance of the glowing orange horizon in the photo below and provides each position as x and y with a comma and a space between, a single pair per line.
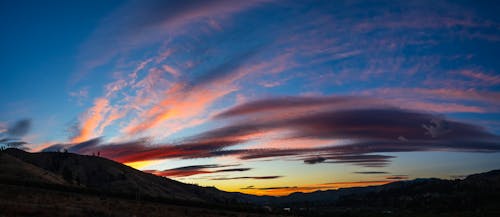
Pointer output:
283, 191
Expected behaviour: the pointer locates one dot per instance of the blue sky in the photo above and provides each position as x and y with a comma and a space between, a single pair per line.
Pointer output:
215, 91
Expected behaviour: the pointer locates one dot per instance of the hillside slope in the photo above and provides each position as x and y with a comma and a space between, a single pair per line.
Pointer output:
15, 170
108, 176
74, 176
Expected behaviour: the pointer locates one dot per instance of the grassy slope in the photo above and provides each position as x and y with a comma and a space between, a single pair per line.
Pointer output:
14, 169
29, 190
30, 201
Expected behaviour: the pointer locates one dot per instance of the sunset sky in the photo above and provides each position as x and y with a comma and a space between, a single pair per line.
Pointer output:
261, 97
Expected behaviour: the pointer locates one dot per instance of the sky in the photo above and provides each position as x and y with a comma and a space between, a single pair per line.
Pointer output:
264, 97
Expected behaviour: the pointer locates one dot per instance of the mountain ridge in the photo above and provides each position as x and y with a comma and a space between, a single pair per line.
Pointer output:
106, 175
97, 175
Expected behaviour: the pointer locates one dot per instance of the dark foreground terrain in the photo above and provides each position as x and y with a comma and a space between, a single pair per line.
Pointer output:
65, 184
35, 201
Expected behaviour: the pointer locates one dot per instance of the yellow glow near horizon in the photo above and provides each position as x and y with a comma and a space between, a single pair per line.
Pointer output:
283, 191
141, 164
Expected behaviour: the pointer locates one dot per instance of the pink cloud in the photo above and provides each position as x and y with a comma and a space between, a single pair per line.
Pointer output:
172, 71
483, 77
450, 100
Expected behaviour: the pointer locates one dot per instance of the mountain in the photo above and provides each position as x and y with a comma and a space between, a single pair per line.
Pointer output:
66, 184
476, 195
101, 175
83, 182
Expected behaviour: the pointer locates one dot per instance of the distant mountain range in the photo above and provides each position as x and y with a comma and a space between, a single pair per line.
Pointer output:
80, 174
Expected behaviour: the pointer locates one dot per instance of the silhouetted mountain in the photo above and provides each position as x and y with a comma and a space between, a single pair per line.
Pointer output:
476, 195
101, 174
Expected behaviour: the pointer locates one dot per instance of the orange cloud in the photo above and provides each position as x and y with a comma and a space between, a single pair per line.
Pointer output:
180, 106
185, 106
92, 120
40, 147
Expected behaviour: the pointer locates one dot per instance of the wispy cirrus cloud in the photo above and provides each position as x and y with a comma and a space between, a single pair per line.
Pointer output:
485, 78
181, 91
186, 83
136, 24
80, 94
186, 100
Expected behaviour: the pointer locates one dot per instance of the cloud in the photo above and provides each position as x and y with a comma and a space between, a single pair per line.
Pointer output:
143, 149
371, 130
247, 177
13, 143
172, 71
92, 119
442, 100
397, 177
82, 147
436, 128
233, 170
188, 101
14, 134
483, 77
362, 160
137, 23
80, 95
162, 107
153, 102
370, 172
357, 135
314, 160
19, 128
227, 71
290, 102
375, 124
196, 169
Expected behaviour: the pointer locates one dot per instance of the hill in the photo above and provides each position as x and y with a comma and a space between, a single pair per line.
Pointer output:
15, 170
476, 195
106, 175
63, 184
66, 176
